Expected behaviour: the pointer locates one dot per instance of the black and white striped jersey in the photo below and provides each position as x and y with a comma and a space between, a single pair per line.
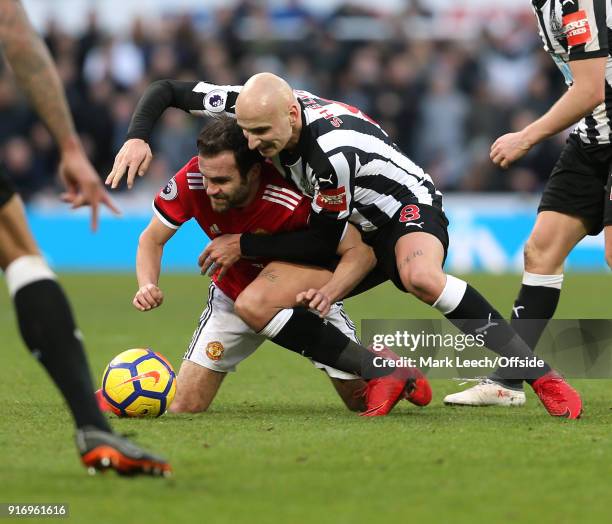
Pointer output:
344, 161
578, 30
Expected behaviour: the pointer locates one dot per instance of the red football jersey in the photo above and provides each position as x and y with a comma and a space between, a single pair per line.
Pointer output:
278, 206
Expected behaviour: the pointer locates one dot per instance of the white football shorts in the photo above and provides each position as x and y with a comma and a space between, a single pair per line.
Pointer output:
222, 340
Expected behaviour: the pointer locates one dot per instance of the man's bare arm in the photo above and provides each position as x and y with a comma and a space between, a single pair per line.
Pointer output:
35, 72
357, 260
37, 76
148, 264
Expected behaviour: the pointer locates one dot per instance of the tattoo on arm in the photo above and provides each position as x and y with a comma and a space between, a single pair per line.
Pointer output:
406, 260
34, 70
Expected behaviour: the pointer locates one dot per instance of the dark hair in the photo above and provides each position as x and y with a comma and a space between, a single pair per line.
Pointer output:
224, 134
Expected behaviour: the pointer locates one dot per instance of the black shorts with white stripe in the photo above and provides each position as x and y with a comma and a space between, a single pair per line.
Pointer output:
7, 189
411, 218
579, 184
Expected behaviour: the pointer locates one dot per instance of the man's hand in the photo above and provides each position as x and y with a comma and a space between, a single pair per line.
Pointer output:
509, 148
83, 185
148, 297
315, 299
221, 254
135, 156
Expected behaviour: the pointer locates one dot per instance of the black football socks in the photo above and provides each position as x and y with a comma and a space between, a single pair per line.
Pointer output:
470, 312
305, 333
49, 331
533, 308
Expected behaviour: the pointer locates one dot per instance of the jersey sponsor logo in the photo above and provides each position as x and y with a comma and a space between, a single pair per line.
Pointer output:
332, 199
170, 192
214, 101
215, 350
577, 29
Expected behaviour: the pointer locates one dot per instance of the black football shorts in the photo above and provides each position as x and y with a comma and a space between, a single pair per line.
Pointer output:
580, 184
411, 218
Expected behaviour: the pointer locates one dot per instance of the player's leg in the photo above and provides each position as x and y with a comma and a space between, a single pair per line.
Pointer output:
607, 220
267, 305
608, 241
571, 208
350, 388
553, 237
275, 289
419, 257
219, 343
48, 330
45, 319
196, 388
351, 391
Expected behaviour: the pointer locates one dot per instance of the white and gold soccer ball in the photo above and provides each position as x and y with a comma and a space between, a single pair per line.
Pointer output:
139, 383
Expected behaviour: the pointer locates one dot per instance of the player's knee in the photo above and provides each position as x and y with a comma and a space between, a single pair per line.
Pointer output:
531, 253
541, 257
185, 404
425, 283
251, 308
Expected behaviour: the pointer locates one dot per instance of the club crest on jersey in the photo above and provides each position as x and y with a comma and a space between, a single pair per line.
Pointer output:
170, 192
332, 199
577, 29
214, 101
215, 350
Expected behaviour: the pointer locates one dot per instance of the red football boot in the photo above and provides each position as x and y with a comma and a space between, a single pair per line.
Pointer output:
383, 393
559, 398
419, 393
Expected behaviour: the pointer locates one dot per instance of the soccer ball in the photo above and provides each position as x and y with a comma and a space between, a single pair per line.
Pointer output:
139, 383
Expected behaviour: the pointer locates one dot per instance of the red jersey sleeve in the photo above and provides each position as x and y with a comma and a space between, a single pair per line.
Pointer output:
299, 218
172, 204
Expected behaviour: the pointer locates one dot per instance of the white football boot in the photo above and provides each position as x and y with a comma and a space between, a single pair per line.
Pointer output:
486, 393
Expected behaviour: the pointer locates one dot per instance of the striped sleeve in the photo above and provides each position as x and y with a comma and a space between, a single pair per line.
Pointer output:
585, 28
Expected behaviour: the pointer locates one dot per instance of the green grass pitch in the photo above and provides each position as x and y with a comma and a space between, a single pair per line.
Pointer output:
278, 446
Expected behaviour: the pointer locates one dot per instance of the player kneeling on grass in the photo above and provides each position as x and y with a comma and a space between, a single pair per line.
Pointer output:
230, 189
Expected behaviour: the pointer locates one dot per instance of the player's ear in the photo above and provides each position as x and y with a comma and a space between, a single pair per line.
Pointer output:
255, 171
294, 111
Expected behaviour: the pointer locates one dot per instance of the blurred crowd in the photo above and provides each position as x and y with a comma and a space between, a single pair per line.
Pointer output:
444, 85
